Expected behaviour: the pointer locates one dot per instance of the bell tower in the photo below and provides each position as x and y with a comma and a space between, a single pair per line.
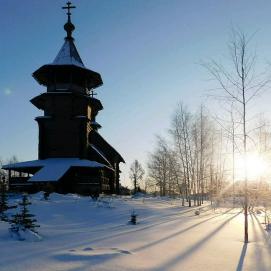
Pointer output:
69, 105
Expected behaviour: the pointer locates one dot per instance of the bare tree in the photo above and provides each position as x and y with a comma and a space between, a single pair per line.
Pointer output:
136, 174
239, 84
182, 134
192, 136
187, 163
158, 166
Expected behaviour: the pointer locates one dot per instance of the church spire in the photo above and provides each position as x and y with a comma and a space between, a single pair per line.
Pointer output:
69, 27
68, 54
68, 67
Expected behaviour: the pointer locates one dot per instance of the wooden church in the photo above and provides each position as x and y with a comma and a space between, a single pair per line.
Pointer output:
72, 155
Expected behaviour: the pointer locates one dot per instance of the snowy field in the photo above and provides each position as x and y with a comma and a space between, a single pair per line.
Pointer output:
80, 234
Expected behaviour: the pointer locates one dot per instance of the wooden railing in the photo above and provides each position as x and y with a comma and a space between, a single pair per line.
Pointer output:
18, 181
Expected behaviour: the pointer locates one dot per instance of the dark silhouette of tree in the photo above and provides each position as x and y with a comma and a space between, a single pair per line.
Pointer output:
24, 220
136, 174
3, 202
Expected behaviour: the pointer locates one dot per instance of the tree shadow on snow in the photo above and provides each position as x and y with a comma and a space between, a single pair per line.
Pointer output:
175, 234
174, 261
242, 258
258, 234
264, 233
260, 237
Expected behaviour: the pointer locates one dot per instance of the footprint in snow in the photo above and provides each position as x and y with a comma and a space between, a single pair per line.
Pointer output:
87, 249
121, 250
124, 251
95, 250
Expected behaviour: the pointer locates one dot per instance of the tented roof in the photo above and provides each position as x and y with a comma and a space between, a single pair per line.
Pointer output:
68, 55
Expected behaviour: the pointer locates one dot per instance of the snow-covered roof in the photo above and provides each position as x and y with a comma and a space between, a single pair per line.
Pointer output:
68, 55
34, 163
99, 141
99, 153
52, 169
52, 172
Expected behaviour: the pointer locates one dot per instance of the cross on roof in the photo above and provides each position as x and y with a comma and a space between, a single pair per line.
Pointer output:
69, 7
92, 93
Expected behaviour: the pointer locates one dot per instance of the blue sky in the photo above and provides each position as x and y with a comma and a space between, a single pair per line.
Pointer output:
147, 52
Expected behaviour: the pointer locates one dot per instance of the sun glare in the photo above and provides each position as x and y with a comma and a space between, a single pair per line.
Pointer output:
256, 167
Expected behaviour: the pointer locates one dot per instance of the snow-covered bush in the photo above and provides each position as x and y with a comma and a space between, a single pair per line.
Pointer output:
133, 217
197, 212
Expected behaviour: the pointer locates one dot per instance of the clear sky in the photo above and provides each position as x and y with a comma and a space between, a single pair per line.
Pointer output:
147, 52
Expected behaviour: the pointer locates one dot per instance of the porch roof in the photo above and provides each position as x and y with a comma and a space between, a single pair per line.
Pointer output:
52, 169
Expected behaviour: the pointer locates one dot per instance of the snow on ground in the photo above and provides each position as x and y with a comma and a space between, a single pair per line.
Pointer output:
82, 235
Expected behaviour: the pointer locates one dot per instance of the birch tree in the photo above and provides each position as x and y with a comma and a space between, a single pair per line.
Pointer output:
136, 174
239, 84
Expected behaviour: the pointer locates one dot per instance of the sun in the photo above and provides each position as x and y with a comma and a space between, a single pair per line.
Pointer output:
256, 167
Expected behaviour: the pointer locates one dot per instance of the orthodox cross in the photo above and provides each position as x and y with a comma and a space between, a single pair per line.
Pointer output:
69, 7
92, 93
